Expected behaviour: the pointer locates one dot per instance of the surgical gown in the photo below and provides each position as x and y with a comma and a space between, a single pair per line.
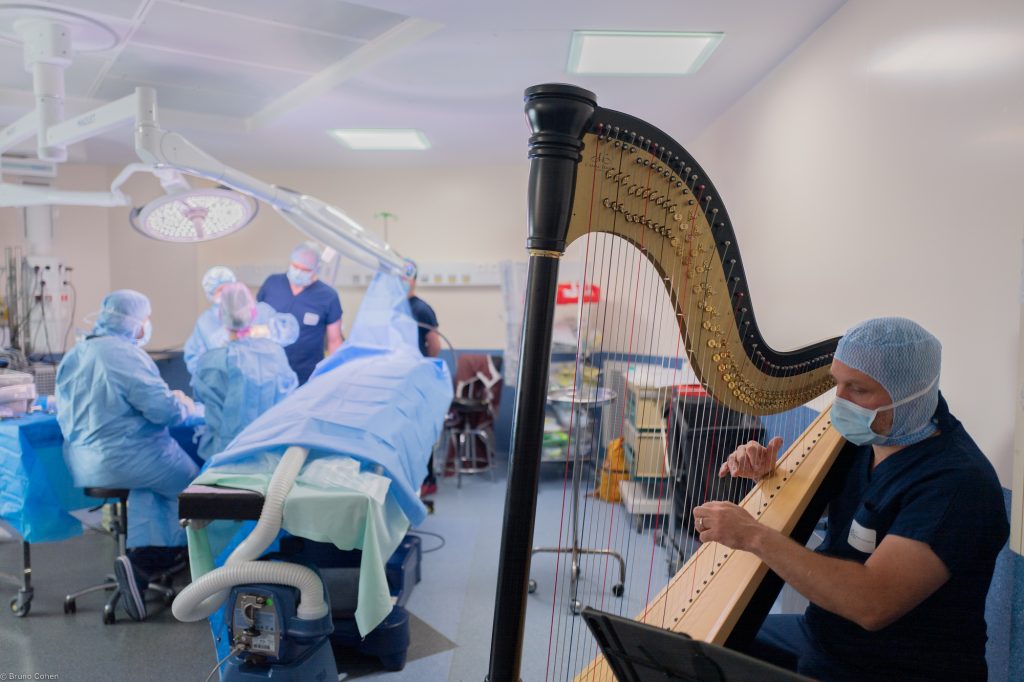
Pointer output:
238, 383
114, 414
209, 332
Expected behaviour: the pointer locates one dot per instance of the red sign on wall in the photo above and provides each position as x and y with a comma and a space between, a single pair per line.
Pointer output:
569, 292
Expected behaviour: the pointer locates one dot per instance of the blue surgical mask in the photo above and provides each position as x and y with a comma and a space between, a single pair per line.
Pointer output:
300, 278
147, 334
853, 422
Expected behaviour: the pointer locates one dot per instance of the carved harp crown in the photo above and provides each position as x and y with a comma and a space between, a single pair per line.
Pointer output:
637, 183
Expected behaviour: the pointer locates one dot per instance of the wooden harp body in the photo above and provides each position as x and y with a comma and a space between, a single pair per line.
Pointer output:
599, 171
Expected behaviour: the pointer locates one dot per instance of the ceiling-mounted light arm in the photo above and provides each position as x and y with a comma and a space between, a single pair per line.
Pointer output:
28, 195
163, 149
82, 127
95, 122
166, 153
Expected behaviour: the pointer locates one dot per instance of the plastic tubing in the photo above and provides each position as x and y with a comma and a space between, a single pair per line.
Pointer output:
196, 608
188, 607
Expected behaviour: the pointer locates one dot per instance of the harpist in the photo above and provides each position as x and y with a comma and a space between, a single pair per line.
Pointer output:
897, 588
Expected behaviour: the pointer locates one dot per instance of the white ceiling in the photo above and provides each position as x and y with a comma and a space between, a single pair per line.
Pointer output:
258, 82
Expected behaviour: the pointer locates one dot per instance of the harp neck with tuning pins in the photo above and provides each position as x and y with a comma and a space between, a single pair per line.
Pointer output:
636, 203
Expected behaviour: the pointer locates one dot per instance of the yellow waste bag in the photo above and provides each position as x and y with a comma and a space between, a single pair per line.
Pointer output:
613, 470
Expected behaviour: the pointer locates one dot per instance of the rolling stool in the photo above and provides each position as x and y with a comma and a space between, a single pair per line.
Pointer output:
465, 439
121, 530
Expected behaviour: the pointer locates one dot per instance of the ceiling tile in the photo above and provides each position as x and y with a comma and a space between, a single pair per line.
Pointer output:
188, 99
123, 9
232, 37
330, 16
151, 66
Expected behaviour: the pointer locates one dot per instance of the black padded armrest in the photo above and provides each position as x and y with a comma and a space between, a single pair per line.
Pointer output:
204, 502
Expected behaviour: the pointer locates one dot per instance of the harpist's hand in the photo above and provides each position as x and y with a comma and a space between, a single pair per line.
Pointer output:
752, 460
726, 523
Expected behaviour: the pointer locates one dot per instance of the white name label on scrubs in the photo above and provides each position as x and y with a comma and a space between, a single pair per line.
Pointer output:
861, 539
310, 319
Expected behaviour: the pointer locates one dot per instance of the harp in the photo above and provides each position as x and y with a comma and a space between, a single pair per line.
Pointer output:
596, 175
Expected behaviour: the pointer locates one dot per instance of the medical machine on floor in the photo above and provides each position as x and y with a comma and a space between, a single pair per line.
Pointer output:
263, 628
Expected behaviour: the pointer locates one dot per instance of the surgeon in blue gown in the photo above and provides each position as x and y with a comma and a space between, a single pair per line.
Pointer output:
241, 380
209, 333
115, 411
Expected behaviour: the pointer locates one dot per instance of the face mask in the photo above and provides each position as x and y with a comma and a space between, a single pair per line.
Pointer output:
147, 333
300, 278
853, 422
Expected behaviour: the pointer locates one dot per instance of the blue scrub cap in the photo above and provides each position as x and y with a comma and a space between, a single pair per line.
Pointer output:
237, 307
214, 278
306, 256
122, 314
905, 359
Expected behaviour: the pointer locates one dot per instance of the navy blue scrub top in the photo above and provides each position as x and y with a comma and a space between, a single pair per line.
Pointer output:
424, 314
315, 307
944, 492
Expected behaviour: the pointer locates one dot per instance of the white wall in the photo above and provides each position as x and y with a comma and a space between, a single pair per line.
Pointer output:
857, 193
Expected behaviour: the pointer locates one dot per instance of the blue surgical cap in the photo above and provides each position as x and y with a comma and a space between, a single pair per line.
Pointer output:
306, 256
905, 359
237, 307
122, 314
214, 278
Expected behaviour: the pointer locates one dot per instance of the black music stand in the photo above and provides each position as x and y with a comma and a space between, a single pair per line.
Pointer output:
637, 652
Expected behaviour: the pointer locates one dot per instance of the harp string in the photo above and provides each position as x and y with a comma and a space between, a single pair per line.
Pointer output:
572, 453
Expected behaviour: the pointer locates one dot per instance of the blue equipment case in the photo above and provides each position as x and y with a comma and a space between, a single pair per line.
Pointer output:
304, 652
389, 641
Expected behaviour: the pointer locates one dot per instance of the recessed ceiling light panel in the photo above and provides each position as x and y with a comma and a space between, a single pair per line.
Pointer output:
383, 139
640, 53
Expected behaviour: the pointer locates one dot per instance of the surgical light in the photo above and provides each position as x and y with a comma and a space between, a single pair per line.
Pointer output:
194, 216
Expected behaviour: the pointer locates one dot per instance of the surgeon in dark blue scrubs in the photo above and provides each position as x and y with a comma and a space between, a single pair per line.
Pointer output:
314, 304
897, 588
430, 346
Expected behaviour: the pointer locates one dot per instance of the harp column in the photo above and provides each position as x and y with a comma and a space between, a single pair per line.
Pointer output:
559, 116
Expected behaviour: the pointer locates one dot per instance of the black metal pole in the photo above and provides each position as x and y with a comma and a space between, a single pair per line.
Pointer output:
558, 116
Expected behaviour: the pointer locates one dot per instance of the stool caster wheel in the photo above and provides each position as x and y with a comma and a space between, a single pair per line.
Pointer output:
108, 618
70, 606
20, 607
575, 606
617, 590
168, 599
531, 586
